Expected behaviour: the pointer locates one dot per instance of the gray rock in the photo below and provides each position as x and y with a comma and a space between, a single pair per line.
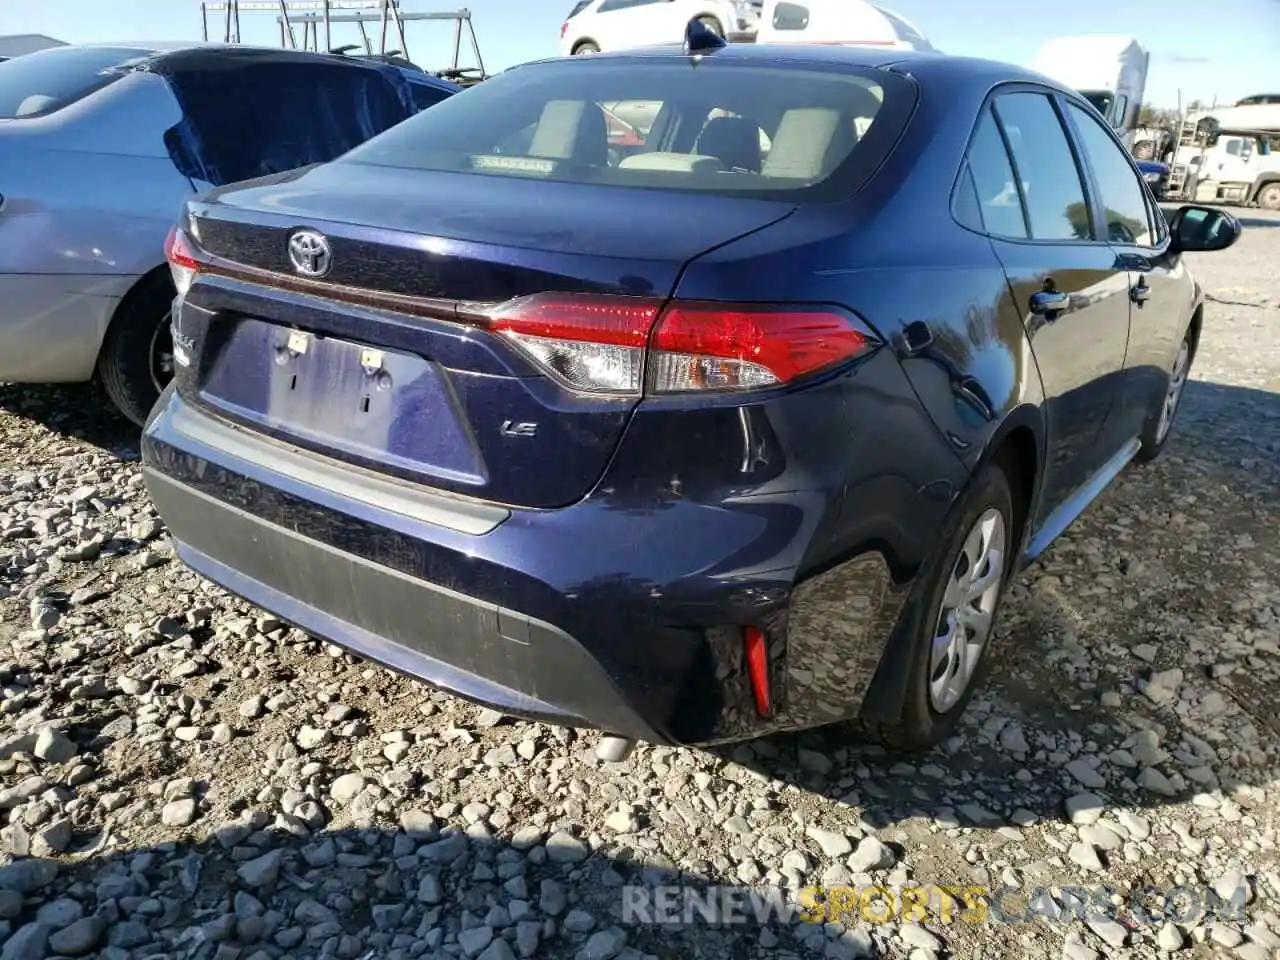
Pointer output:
498, 950
1084, 855
833, 844
28, 942
553, 898
474, 941
579, 921
179, 813
871, 855
1086, 773
54, 746
1112, 933
28, 876
347, 787
430, 890
10, 904
604, 945
261, 871
564, 847
56, 914
1085, 808
79, 938
128, 933
1170, 938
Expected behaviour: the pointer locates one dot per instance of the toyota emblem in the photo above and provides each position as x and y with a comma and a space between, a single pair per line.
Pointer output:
310, 254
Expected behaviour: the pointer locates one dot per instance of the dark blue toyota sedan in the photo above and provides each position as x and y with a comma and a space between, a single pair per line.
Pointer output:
739, 427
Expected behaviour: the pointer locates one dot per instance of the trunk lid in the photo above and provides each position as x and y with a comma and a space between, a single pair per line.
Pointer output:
419, 392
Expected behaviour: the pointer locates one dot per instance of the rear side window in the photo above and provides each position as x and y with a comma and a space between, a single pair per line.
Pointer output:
1045, 166
1124, 198
44, 82
249, 115
578, 8
715, 127
992, 174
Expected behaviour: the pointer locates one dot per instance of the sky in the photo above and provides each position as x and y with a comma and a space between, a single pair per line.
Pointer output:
1224, 49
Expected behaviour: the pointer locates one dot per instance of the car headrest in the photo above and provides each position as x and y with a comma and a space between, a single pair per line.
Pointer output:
571, 130
734, 140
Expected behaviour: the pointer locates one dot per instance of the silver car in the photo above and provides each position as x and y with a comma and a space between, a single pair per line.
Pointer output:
100, 145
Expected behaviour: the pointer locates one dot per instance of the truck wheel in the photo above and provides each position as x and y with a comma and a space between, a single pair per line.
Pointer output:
136, 362
1269, 196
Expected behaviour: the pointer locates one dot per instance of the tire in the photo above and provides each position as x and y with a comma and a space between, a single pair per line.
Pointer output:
927, 719
136, 360
712, 24
1159, 425
585, 47
1269, 196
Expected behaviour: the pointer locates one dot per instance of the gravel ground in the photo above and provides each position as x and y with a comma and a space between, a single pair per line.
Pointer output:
183, 776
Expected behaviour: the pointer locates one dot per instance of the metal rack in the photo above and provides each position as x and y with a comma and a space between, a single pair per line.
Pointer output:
315, 16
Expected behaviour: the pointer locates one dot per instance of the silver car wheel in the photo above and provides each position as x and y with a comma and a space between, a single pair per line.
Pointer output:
1177, 381
161, 354
968, 611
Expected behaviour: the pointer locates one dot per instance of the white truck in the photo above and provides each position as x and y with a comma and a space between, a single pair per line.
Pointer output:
1228, 166
1110, 71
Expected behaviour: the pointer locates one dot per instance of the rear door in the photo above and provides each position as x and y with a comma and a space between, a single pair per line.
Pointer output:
1068, 284
1160, 287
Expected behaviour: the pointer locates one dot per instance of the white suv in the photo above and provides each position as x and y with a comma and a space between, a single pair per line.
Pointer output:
596, 25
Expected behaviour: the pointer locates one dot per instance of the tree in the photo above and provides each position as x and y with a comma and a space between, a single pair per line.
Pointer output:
1157, 117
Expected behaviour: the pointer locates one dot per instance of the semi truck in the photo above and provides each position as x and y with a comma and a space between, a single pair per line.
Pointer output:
1108, 70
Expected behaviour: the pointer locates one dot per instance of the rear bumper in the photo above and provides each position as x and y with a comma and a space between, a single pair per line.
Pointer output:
592, 616
482, 651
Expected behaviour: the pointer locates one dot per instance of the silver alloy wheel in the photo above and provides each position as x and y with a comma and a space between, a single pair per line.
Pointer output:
161, 354
968, 610
1177, 381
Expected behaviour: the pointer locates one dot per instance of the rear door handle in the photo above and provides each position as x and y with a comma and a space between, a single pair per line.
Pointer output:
1140, 293
1046, 303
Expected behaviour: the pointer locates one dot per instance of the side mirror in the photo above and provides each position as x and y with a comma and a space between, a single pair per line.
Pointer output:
1196, 229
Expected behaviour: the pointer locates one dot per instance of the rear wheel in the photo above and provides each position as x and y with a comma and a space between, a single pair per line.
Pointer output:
956, 602
1160, 423
136, 362
1269, 196
585, 47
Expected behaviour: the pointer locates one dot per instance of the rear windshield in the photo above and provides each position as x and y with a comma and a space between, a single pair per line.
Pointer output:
38, 84
578, 8
670, 123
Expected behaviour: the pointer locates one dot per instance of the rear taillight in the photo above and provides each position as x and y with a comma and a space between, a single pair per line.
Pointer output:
181, 255
564, 28
592, 344
602, 345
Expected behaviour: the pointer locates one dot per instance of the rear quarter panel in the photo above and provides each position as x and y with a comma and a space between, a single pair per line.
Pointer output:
894, 255
90, 190
89, 195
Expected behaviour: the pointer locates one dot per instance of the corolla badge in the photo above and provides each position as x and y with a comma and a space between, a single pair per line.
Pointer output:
310, 254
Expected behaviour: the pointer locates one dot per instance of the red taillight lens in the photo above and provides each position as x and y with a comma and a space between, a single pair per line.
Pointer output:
598, 344
711, 346
181, 256
564, 27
